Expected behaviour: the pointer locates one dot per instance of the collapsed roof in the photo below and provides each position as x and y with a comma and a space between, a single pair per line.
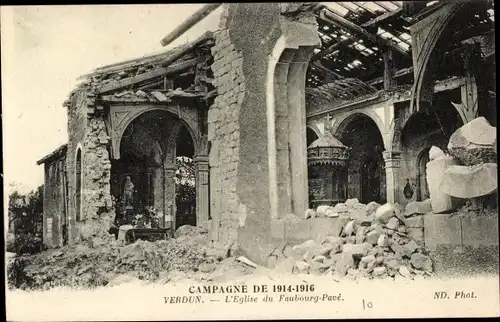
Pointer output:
158, 77
356, 35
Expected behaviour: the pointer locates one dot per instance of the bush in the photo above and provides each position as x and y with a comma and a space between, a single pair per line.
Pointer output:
25, 222
16, 273
11, 243
28, 243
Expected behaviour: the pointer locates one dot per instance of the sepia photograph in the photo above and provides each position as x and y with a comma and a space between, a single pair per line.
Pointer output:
250, 161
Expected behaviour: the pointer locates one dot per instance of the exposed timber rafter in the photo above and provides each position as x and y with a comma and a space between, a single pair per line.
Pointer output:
190, 22
386, 7
149, 75
399, 73
383, 17
343, 23
351, 40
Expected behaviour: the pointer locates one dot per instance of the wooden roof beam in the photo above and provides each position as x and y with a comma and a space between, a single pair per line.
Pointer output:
383, 17
152, 74
190, 22
385, 6
353, 28
399, 73
350, 40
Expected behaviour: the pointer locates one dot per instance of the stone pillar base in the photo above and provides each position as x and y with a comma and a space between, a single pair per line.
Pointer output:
392, 169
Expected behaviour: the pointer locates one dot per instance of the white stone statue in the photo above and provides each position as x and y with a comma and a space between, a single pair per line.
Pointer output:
128, 192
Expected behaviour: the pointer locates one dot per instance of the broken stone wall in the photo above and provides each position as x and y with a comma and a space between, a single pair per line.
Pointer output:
87, 130
224, 134
53, 203
250, 122
238, 127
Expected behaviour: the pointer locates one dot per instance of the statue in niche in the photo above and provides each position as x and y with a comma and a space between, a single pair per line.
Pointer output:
128, 193
156, 154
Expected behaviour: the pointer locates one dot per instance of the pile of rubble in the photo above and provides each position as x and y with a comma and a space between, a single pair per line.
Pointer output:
86, 266
373, 244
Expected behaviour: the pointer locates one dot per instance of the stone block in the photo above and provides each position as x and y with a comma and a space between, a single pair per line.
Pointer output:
278, 229
470, 182
480, 231
385, 212
440, 201
418, 208
416, 234
322, 227
298, 230
414, 222
442, 230
435, 153
371, 207
350, 203
321, 210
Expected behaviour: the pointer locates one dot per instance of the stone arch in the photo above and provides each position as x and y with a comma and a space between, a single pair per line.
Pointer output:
366, 177
394, 136
286, 78
170, 152
428, 32
340, 126
185, 119
439, 121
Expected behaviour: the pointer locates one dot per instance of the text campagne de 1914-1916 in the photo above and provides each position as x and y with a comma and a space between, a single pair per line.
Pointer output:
253, 294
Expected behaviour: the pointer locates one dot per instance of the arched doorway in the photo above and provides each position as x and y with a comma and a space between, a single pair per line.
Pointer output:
143, 179
366, 171
431, 127
185, 180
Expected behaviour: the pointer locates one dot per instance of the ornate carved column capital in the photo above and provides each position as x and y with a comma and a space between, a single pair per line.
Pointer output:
392, 159
201, 162
170, 167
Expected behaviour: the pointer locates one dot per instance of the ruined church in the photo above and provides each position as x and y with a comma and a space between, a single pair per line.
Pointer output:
286, 107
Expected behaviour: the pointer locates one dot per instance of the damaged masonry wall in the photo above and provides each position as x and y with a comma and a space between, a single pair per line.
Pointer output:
87, 131
224, 134
244, 176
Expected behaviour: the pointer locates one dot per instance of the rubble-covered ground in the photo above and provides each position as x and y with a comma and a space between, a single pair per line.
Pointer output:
373, 243
363, 249
81, 266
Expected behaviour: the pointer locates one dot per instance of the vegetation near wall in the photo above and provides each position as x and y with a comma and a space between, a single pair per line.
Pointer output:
25, 222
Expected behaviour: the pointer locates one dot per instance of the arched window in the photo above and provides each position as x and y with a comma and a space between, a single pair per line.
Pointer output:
78, 192
422, 186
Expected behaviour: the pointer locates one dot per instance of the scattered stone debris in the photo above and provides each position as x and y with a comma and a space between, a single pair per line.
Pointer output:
371, 245
87, 267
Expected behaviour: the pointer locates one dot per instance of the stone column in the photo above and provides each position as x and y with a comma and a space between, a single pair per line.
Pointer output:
392, 168
157, 188
202, 191
169, 191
